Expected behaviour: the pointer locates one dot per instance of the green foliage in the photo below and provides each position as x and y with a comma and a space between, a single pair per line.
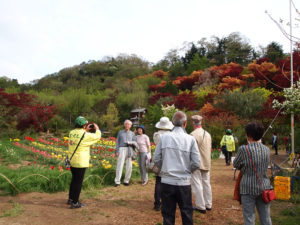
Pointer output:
244, 104
201, 93
198, 64
111, 118
16, 210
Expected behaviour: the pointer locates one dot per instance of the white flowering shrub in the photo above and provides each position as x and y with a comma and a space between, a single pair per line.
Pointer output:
169, 110
291, 104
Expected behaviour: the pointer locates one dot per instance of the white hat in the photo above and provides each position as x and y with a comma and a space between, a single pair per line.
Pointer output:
164, 123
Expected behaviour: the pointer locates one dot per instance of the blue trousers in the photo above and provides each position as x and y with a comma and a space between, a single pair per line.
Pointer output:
249, 202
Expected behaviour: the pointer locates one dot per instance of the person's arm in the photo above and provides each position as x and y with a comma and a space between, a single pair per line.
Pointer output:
158, 154
238, 161
222, 141
148, 144
195, 156
118, 143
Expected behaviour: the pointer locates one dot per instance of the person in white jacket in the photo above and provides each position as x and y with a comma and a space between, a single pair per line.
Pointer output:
178, 156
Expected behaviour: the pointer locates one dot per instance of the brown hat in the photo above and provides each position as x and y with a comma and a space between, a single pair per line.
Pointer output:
196, 118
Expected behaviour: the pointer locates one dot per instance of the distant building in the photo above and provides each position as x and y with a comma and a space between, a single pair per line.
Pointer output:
136, 115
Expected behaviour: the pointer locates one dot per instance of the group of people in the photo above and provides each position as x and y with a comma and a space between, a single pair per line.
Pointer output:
184, 161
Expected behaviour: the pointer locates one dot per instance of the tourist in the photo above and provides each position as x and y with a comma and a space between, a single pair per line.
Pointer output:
228, 146
275, 143
200, 182
178, 156
164, 125
125, 138
144, 149
80, 139
250, 186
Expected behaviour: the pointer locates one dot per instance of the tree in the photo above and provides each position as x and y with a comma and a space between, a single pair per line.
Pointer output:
274, 52
244, 104
197, 64
291, 104
111, 118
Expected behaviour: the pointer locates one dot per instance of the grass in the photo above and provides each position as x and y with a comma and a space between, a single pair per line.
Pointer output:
286, 212
15, 211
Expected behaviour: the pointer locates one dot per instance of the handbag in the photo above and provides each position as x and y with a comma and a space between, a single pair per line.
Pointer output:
236, 193
67, 160
154, 168
267, 195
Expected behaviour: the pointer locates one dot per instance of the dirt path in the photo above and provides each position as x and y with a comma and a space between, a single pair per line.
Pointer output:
123, 205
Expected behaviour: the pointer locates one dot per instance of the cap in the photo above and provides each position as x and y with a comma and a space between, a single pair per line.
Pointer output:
196, 118
80, 121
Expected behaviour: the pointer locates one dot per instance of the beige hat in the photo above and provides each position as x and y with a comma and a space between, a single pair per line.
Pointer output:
164, 123
196, 118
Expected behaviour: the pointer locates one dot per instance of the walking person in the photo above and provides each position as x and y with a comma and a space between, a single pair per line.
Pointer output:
254, 180
228, 143
178, 156
275, 143
80, 140
200, 182
125, 138
164, 126
144, 148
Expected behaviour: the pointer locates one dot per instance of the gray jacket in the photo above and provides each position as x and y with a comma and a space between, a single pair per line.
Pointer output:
178, 156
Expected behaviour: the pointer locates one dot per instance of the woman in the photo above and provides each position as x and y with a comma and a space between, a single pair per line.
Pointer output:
144, 148
250, 188
164, 125
80, 140
228, 146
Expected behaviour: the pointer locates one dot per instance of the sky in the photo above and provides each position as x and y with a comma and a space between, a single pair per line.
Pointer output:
41, 37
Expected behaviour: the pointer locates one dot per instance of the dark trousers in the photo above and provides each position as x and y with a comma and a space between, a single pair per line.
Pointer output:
76, 183
228, 157
157, 192
171, 195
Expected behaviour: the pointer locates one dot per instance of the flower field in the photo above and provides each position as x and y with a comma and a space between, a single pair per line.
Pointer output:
38, 165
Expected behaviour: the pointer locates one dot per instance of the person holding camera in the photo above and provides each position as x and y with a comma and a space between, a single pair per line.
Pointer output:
80, 140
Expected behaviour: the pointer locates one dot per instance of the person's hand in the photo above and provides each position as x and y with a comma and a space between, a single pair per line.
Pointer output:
96, 126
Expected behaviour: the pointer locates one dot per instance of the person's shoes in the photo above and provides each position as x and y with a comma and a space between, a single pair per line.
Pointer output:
76, 205
126, 184
70, 201
117, 185
208, 209
144, 183
199, 210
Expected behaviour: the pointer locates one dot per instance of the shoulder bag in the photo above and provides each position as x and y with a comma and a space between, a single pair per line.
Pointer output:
67, 160
267, 195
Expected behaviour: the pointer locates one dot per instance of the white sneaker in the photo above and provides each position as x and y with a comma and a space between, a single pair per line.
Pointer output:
144, 183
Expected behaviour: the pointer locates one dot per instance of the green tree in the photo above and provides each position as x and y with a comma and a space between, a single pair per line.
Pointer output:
198, 64
274, 52
111, 118
244, 104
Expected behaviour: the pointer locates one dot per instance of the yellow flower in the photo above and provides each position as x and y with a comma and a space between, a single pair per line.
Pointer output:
91, 165
95, 157
66, 138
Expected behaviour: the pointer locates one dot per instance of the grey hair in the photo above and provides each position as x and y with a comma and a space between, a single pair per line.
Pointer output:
179, 118
197, 123
127, 121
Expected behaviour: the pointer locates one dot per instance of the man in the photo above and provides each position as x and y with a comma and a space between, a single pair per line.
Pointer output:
201, 188
275, 143
122, 151
178, 156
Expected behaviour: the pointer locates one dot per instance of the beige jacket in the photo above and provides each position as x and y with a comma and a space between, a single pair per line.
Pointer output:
203, 139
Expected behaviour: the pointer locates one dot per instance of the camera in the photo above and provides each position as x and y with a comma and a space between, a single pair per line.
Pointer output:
91, 127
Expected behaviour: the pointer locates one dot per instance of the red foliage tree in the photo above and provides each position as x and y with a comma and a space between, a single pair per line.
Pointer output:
228, 70
154, 98
23, 110
187, 82
186, 100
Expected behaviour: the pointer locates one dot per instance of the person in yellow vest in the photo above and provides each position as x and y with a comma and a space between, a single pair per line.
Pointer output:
228, 146
80, 140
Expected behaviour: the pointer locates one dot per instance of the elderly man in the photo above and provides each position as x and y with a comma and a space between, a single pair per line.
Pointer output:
201, 188
125, 137
178, 156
